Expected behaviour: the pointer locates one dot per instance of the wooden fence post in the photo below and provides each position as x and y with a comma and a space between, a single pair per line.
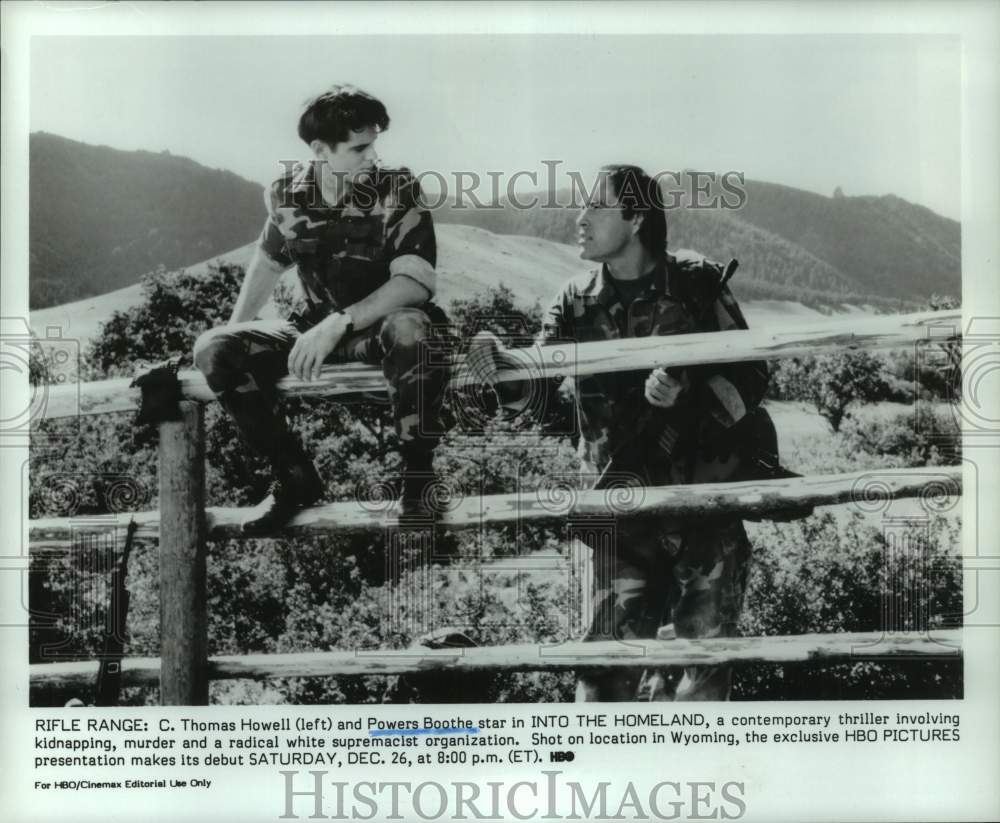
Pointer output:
183, 599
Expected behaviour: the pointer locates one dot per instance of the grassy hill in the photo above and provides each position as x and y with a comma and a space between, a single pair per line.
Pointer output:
470, 260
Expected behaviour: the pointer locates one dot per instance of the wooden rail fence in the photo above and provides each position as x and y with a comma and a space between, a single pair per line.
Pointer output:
184, 669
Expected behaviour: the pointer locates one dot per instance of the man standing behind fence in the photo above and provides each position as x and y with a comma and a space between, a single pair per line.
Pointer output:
681, 578
365, 253
662, 428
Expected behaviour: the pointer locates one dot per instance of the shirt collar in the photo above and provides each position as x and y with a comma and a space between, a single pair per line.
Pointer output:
603, 289
305, 181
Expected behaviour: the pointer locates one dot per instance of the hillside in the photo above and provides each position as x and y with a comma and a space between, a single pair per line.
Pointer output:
792, 244
100, 217
470, 260
883, 244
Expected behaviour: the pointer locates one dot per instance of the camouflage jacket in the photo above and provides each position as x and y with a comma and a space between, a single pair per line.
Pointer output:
343, 253
691, 442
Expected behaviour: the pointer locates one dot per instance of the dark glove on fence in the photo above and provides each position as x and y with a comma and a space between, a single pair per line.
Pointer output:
161, 392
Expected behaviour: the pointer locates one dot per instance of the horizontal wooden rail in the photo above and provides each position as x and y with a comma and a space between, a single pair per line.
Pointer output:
864, 489
888, 331
814, 648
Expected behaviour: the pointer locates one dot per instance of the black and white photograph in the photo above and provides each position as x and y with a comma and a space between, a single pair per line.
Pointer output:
390, 387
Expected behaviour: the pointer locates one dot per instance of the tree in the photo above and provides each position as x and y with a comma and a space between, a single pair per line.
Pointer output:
833, 382
176, 308
496, 310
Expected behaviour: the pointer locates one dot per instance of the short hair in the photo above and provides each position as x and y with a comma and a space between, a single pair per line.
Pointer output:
638, 193
333, 115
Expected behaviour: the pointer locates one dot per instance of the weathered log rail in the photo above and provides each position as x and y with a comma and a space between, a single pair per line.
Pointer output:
545, 506
890, 331
183, 669
826, 649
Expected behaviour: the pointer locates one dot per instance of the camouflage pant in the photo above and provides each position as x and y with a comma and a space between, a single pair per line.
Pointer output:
243, 362
647, 575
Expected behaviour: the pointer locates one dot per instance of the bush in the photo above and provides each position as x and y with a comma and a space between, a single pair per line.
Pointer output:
832, 383
496, 310
922, 436
830, 574
931, 377
177, 307
323, 593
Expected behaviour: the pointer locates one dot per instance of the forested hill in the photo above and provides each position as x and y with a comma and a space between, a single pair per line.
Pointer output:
792, 244
100, 217
886, 244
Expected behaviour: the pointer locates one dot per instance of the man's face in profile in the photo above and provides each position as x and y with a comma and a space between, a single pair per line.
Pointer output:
601, 231
351, 161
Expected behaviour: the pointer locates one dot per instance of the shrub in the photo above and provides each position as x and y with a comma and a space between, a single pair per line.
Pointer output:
830, 573
496, 310
832, 382
323, 593
177, 307
921, 436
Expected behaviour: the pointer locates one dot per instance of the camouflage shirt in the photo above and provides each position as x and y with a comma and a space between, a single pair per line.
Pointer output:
343, 253
687, 443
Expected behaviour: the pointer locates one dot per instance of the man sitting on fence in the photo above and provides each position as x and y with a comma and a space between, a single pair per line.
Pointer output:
655, 574
365, 253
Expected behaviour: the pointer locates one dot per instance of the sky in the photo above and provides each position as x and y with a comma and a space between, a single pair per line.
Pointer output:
872, 114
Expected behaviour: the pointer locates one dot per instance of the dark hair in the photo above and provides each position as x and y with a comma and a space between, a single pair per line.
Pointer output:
333, 115
638, 193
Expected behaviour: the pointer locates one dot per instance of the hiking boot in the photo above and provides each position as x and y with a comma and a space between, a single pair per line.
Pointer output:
285, 497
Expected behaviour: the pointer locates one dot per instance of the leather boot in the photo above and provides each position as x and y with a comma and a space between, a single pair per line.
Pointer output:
296, 485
